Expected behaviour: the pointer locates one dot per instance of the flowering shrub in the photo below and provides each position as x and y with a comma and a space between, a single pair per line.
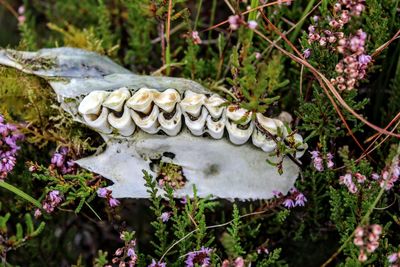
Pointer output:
331, 66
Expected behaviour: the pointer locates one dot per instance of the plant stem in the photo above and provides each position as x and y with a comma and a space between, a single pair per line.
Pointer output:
252, 16
20, 193
298, 27
198, 14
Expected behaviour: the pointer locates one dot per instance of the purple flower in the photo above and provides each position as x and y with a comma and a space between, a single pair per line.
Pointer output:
165, 216
131, 252
54, 196
330, 162
113, 202
234, 22
57, 159
307, 53
102, 192
252, 24
364, 59
300, 200
393, 257
157, 264
201, 257
288, 203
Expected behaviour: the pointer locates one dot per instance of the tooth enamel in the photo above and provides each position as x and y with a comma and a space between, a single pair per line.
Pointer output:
192, 103
216, 128
173, 125
91, 104
116, 99
98, 122
196, 126
239, 136
149, 124
282, 127
262, 141
123, 124
166, 100
301, 147
235, 113
267, 124
142, 100
213, 105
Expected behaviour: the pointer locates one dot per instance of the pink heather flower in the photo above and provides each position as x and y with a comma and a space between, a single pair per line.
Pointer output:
119, 251
288, 203
307, 53
364, 59
21, 19
358, 241
360, 178
330, 162
234, 22
165, 216
102, 192
201, 257
37, 213
376, 229
131, 252
362, 257
393, 257
157, 264
196, 37
252, 24
54, 196
258, 55
113, 202
21, 10
300, 200
276, 193
239, 262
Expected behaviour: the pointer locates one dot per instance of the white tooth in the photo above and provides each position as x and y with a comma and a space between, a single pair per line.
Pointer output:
216, 128
166, 100
262, 141
91, 104
117, 98
301, 147
173, 125
213, 104
142, 100
98, 122
192, 103
282, 127
239, 136
123, 124
196, 126
149, 123
235, 113
267, 124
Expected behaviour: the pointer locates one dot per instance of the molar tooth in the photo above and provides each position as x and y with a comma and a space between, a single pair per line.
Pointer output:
216, 128
192, 103
173, 125
196, 126
262, 141
239, 136
91, 104
301, 147
117, 98
267, 124
166, 100
98, 122
123, 124
149, 124
282, 127
213, 105
142, 100
236, 113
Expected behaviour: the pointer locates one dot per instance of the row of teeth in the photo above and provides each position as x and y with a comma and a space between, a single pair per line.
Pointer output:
153, 111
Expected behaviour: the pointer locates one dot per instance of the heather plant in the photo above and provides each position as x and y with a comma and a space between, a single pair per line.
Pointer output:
332, 66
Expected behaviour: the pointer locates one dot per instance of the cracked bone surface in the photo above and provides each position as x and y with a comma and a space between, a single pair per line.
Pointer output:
143, 119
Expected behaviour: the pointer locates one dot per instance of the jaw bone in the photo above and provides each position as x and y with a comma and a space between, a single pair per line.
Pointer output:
216, 167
